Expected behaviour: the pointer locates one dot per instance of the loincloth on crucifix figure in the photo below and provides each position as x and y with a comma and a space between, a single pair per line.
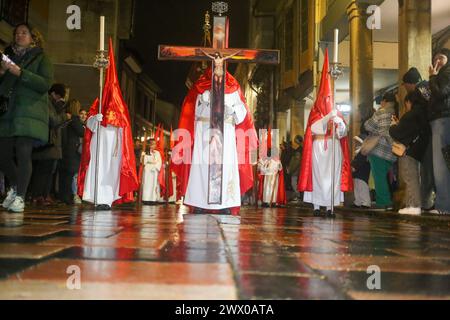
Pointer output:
237, 176
218, 64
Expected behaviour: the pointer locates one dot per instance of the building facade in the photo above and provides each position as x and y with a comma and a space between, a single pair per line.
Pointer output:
379, 41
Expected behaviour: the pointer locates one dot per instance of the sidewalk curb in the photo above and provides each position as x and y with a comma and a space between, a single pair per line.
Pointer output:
424, 218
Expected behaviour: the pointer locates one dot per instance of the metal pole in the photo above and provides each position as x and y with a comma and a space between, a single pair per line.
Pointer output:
101, 63
98, 139
336, 72
333, 149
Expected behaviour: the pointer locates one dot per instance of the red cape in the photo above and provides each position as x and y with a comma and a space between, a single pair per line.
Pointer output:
322, 107
160, 147
187, 118
115, 113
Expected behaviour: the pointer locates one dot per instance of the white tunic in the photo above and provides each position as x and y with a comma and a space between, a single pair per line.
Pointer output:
270, 168
150, 184
110, 161
173, 198
322, 163
197, 189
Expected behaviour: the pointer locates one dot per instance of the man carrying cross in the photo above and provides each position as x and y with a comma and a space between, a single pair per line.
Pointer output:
215, 115
195, 118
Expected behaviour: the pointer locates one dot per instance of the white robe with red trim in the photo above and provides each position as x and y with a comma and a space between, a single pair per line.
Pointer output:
109, 164
197, 189
322, 158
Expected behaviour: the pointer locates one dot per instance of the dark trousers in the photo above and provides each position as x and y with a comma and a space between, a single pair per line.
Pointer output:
65, 186
16, 163
427, 178
43, 177
441, 139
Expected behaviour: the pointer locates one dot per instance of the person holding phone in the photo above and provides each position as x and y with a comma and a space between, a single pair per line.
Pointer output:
24, 85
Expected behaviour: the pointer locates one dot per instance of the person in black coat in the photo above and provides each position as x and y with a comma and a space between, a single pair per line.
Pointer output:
440, 124
361, 174
413, 131
71, 151
413, 82
45, 157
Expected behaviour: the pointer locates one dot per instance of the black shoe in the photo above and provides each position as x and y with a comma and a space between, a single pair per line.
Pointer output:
330, 215
265, 205
198, 211
103, 207
226, 212
316, 213
354, 206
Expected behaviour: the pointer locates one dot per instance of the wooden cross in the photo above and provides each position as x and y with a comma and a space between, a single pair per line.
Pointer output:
219, 54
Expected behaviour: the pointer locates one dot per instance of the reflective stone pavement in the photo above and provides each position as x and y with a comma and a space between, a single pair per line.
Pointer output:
163, 253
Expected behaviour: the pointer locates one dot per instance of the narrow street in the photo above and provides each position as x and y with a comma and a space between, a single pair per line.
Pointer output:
163, 253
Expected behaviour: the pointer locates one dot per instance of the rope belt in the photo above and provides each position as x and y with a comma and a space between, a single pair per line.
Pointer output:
323, 137
229, 120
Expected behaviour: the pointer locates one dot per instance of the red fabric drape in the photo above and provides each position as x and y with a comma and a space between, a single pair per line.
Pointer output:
160, 145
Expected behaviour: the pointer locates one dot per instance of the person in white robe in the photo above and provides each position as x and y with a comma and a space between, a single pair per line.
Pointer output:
322, 158
197, 189
151, 192
270, 169
109, 164
173, 198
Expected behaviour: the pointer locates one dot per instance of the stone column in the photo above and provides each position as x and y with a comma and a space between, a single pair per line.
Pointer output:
415, 50
361, 67
282, 125
415, 39
297, 119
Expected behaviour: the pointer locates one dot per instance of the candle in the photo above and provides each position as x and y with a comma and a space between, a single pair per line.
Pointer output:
336, 46
102, 33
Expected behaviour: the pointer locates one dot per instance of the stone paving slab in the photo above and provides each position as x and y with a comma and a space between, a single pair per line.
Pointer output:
163, 253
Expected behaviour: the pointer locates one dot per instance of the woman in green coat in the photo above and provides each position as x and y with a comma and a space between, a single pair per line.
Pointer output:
24, 123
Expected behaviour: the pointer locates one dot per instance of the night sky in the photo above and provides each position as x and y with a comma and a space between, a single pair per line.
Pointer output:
178, 22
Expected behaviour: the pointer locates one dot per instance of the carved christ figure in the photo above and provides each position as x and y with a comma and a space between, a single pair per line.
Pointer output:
218, 67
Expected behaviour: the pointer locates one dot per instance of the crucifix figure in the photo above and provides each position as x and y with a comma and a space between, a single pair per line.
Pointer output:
218, 65
220, 55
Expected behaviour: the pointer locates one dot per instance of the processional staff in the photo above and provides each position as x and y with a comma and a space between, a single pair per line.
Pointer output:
101, 63
335, 72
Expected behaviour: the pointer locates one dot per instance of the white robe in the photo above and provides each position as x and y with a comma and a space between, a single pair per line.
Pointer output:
322, 164
197, 189
110, 161
270, 168
150, 185
173, 198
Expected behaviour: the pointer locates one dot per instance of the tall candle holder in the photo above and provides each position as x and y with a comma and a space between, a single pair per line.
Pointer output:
336, 72
101, 63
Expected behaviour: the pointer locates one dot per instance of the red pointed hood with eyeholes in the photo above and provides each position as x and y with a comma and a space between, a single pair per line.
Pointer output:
322, 107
